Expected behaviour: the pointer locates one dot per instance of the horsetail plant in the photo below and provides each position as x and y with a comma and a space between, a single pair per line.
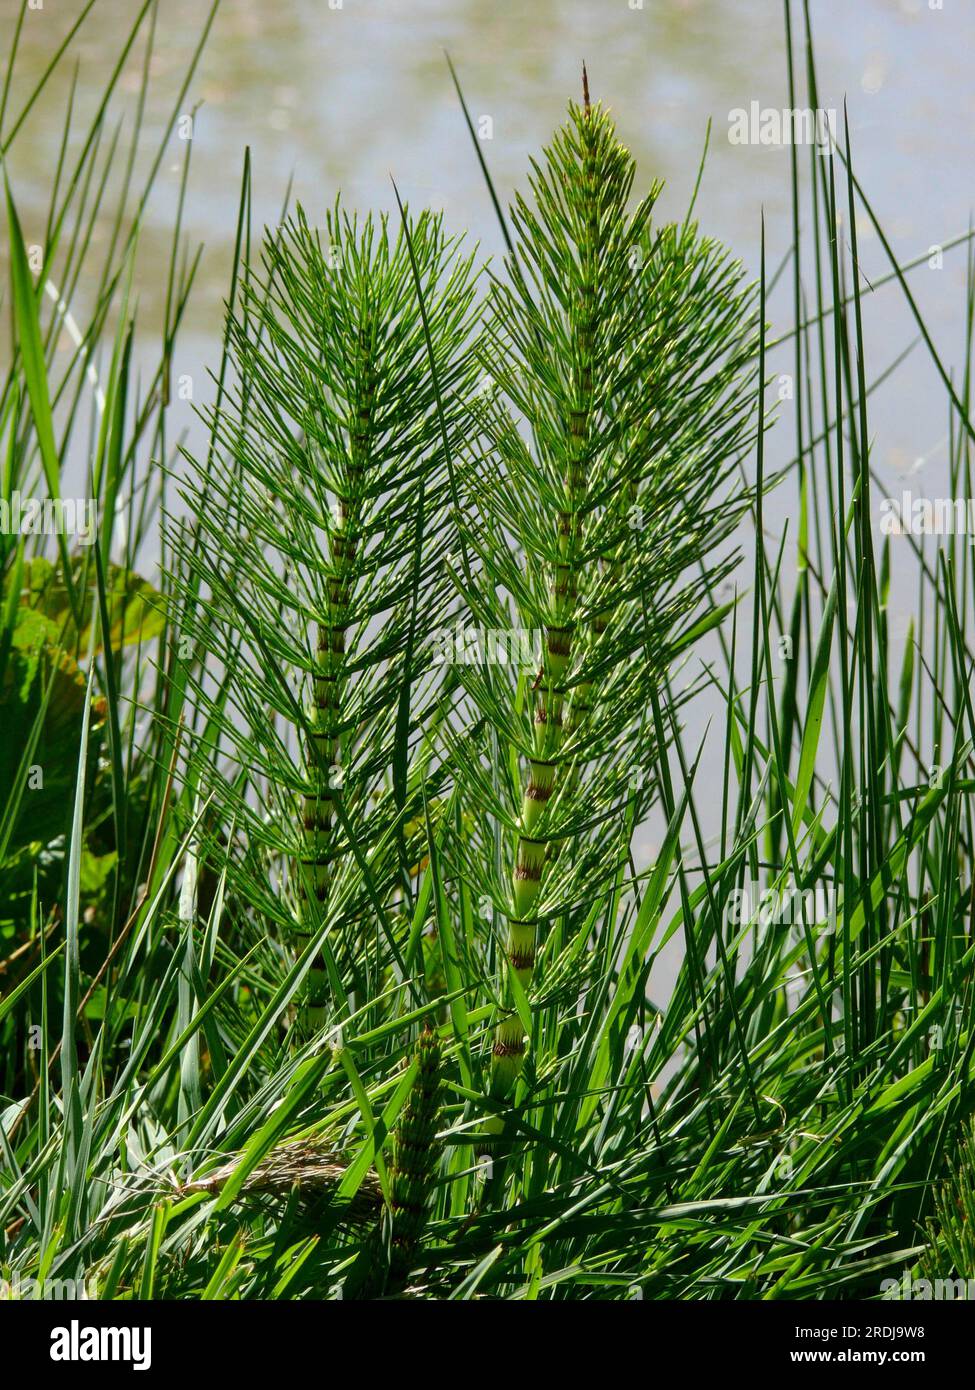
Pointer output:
615, 360
331, 473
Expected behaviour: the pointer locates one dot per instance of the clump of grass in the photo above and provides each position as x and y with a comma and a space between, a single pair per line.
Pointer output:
950, 1252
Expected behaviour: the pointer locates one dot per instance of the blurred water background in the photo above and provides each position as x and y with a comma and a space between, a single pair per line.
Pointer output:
338, 99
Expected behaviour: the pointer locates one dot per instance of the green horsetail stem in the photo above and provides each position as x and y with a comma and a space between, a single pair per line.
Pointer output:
416, 1154
412, 1178
326, 712
581, 701
599, 152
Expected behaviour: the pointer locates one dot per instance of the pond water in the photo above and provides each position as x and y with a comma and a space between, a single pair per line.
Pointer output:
332, 96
